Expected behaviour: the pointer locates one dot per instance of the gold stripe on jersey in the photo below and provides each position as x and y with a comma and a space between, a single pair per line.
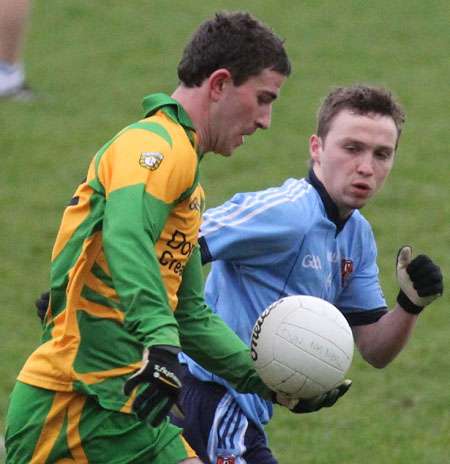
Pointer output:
74, 216
102, 311
102, 263
91, 378
189, 451
98, 286
178, 241
127, 407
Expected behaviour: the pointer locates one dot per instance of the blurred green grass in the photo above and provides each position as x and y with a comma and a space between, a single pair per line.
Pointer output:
91, 63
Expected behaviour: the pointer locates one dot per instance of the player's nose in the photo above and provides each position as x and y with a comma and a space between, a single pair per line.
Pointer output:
264, 118
365, 164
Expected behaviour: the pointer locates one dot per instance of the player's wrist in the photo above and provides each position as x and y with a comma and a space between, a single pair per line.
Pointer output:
164, 349
407, 304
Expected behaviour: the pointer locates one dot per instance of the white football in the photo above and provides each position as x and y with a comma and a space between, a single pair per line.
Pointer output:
302, 345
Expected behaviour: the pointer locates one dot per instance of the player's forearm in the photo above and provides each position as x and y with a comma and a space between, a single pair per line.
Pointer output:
135, 270
210, 342
380, 343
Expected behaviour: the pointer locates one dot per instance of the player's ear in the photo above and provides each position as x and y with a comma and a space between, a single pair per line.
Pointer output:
219, 81
315, 148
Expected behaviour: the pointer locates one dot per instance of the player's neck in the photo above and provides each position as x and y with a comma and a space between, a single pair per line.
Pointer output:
331, 208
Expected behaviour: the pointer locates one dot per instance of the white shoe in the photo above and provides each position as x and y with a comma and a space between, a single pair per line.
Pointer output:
12, 82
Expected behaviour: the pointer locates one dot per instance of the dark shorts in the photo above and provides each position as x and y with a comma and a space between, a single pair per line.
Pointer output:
214, 423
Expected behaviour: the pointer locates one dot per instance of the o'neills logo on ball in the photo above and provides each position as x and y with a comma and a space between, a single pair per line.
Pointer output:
151, 160
257, 329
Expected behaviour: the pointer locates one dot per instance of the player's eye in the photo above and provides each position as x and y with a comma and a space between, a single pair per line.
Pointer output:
383, 155
265, 99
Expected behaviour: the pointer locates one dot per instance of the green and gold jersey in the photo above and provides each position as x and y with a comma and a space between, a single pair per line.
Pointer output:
126, 272
118, 259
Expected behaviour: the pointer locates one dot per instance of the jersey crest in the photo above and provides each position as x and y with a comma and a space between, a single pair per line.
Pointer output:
151, 160
346, 270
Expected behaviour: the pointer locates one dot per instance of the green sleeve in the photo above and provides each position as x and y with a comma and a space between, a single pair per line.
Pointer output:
133, 220
207, 339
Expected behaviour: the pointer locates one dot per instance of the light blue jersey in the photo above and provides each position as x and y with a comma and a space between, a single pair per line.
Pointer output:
286, 241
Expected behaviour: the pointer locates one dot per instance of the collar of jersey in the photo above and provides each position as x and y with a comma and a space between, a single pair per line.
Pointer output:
330, 206
169, 106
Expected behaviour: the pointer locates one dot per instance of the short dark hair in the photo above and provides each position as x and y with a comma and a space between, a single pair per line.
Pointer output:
237, 42
361, 99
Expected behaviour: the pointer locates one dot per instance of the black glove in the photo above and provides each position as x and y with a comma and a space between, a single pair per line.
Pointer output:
161, 371
42, 305
420, 281
302, 406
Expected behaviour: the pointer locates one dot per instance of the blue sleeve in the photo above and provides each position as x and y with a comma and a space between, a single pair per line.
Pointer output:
247, 229
362, 300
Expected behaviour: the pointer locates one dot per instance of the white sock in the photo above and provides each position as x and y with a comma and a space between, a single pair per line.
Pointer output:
12, 76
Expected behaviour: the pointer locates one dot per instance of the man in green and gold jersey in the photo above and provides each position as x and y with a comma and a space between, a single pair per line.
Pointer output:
126, 289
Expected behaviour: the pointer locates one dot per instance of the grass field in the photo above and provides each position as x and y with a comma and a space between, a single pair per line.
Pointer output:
92, 62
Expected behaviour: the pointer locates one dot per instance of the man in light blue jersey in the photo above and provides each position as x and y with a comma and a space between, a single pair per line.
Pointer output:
305, 237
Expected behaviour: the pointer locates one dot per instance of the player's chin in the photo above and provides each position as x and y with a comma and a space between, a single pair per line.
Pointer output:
232, 144
239, 141
360, 204
228, 151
